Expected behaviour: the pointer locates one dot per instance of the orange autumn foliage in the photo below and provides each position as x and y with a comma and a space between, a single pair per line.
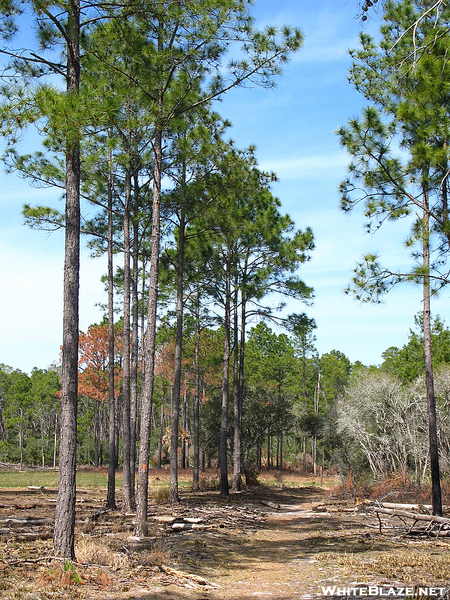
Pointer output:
93, 363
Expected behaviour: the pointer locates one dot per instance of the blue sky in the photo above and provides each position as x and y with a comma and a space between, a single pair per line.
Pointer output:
293, 128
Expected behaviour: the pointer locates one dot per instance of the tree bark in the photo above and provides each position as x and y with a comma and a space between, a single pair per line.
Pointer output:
127, 502
237, 450
223, 458
161, 426
173, 494
102, 433
431, 401
242, 371
184, 427
63, 536
304, 404
111, 495
196, 473
134, 339
281, 450
96, 432
149, 347
55, 440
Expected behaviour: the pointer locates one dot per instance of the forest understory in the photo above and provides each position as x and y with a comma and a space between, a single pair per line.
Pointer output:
286, 541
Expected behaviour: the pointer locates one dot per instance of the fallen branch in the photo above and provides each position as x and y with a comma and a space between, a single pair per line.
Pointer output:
189, 577
270, 504
33, 561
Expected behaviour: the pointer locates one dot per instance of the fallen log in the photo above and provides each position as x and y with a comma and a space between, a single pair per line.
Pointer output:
409, 515
192, 520
408, 507
181, 526
78, 500
167, 519
32, 537
422, 508
26, 521
432, 525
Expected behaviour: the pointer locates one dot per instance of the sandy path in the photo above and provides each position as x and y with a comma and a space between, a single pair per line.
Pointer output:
274, 563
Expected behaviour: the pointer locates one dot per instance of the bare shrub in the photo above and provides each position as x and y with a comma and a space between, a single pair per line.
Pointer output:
161, 494
209, 484
95, 551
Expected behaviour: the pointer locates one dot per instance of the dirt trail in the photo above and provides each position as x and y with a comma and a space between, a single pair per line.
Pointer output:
276, 562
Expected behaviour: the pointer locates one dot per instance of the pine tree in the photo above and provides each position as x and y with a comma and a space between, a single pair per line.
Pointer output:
410, 108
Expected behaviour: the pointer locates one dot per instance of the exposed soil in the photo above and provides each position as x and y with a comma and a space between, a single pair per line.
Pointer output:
262, 543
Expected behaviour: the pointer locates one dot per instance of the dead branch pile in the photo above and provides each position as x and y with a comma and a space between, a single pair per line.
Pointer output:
208, 518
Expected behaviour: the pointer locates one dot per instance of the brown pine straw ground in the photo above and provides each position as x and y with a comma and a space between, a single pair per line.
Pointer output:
268, 542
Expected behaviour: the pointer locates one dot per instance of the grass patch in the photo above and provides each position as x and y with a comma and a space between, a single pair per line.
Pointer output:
89, 478
21, 479
410, 568
17, 479
293, 479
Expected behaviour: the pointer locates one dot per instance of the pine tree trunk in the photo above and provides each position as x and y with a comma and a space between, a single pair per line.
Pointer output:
96, 432
278, 453
42, 444
173, 494
161, 427
316, 414
102, 434
281, 451
134, 340
242, 369
117, 432
223, 457
63, 536
149, 348
237, 450
184, 445
196, 474
304, 405
127, 502
55, 440
431, 401
305, 468
111, 495
21, 437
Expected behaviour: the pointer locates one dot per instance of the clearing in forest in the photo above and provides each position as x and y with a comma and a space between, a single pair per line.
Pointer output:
284, 541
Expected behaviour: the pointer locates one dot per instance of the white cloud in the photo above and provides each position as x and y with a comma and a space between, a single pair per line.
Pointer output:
325, 166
